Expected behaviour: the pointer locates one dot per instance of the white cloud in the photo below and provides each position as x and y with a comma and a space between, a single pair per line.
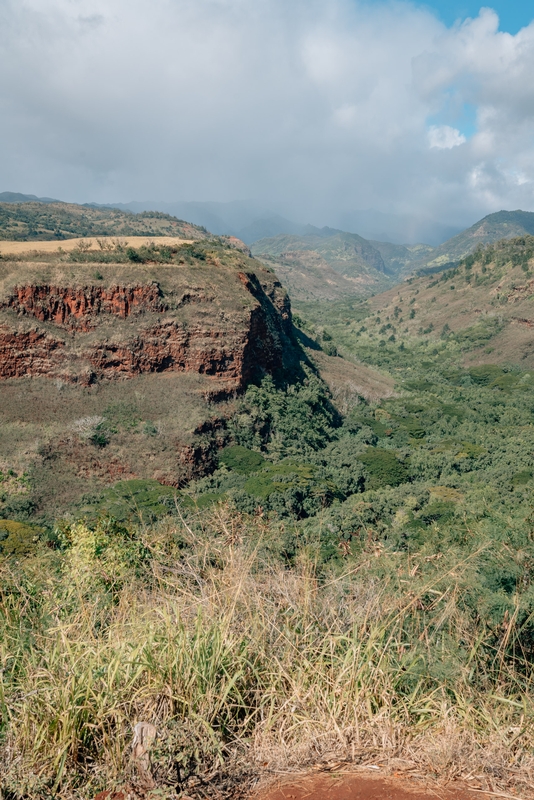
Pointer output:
312, 106
444, 137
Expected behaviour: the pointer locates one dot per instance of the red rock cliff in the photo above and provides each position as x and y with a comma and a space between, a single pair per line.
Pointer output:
234, 327
77, 308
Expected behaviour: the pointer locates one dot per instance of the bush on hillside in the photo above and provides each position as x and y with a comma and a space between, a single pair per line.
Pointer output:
241, 459
383, 467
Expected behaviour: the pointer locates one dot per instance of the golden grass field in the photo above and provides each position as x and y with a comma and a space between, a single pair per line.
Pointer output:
89, 243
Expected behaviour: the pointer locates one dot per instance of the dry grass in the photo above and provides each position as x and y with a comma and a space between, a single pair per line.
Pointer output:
347, 381
246, 665
88, 243
153, 417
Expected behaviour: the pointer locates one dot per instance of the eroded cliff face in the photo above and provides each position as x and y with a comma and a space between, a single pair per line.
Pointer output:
230, 324
143, 349
78, 308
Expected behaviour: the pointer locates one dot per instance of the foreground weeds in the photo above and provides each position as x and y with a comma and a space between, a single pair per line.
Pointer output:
248, 665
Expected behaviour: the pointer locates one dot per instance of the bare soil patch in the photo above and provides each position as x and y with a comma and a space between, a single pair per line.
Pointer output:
358, 787
347, 380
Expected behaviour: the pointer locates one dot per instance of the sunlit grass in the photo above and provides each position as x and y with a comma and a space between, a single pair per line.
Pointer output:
199, 629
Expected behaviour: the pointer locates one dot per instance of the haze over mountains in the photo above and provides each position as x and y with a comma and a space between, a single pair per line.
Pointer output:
250, 221
371, 265
314, 263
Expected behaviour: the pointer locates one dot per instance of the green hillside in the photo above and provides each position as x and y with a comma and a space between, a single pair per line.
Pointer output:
347, 253
485, 303
490, 229
38, 221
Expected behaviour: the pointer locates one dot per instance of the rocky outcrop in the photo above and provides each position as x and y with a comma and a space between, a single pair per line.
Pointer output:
172, 346
30, 352
77, 308
234, 327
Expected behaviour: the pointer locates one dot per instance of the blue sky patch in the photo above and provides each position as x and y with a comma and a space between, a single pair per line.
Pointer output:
513, 14
464, 118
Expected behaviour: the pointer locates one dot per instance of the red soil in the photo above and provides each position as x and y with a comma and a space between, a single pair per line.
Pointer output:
358, 787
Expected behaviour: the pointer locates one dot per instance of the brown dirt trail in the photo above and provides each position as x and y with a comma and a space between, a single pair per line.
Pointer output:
357, 787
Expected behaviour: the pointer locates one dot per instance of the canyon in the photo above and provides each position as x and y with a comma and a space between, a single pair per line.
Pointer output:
154, 353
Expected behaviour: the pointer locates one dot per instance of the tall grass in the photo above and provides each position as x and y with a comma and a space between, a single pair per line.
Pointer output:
245, 663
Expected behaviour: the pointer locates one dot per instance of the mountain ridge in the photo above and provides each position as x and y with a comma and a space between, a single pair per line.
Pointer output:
482, 305
489, 229
17, 197
39, 221
361, 266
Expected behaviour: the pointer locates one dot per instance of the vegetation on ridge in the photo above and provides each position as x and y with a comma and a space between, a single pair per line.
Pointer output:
34, 221
483, 305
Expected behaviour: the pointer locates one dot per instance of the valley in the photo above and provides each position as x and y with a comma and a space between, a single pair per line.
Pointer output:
279, 503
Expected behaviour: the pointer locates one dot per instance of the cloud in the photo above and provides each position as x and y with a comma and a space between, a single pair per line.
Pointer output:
444, 137
313, 107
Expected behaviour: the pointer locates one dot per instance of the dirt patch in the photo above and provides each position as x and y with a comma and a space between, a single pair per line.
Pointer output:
357, 787
347, 380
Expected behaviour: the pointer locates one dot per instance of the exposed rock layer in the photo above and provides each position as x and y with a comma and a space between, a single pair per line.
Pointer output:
76, 308
231, 324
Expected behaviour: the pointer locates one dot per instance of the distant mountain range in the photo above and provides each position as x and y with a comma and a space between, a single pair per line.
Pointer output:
315, 263
368, 265
324, 263
395, 228
16, 197
251, 221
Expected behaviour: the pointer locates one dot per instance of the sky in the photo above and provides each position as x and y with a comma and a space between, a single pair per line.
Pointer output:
312, 108
513, 14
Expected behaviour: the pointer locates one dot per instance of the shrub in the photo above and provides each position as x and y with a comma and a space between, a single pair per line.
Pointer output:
522, 478
384, 468
414, 428
485, 374
437, 511
241, 459
18, 539
137, 500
